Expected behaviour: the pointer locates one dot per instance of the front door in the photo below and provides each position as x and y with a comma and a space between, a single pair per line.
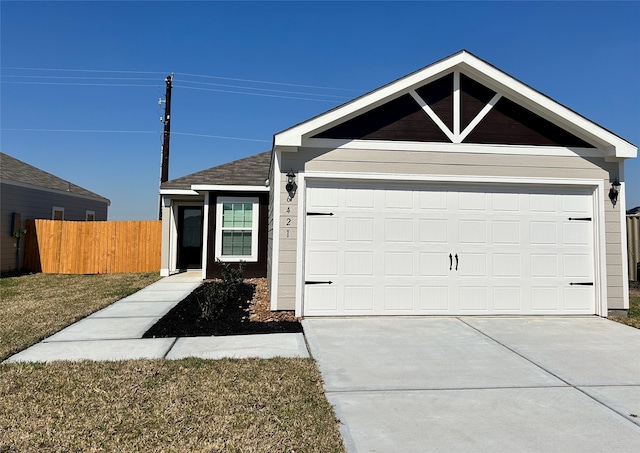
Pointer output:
190, 237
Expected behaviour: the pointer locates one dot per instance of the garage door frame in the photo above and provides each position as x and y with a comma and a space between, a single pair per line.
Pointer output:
597, 185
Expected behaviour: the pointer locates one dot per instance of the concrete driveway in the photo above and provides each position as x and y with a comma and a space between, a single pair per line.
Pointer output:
481, 384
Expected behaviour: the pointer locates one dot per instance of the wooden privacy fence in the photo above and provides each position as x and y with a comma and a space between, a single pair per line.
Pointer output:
62, 247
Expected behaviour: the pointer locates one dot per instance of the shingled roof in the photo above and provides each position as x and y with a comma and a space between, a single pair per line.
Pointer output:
14, 170
249, 171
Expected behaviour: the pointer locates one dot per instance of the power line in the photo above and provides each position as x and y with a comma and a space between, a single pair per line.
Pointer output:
190, 134
80, 70
180, 73
221, 136
264, 81
82, 84
265, 89
79, 77
254, 94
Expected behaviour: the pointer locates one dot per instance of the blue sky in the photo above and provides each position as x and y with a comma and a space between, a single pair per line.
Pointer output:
100, 66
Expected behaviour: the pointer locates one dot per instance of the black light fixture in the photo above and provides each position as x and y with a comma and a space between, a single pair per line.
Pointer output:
614, 191
291, 182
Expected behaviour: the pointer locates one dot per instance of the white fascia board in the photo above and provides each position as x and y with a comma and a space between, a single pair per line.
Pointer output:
505, 82
293, 136
380, 145
231, 188
178, 192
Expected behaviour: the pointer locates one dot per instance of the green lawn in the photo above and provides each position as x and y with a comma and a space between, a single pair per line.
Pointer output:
189, 405
35, 306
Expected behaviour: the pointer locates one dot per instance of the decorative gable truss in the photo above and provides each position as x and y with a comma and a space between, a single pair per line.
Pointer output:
458, 100
455, 109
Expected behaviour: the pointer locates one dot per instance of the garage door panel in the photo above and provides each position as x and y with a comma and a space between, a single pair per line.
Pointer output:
434, 299
398, 199
578, 267
472, 232
321, 228
323, 264
398, 230
577, 298
387, 250
505, 232
473, 298
358, 263
544, 266
398, 298
433, 231
545, 299
359, 198
472, 265
358, 298
398, 264
506, 265
507, 299
359, 229
544, 233
576, 233
434, 264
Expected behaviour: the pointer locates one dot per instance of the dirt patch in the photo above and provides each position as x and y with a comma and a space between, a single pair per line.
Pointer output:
253, 315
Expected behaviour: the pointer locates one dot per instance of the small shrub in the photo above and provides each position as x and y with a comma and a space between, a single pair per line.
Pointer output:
216, 297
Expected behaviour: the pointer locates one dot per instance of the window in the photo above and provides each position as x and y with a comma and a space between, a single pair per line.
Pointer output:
237, 229
57, 213
90, 216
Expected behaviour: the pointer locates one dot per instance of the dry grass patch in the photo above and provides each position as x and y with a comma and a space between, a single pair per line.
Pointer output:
633, 317
35, 306
170, 406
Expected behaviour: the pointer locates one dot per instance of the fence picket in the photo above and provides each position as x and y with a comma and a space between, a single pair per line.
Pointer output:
92, 247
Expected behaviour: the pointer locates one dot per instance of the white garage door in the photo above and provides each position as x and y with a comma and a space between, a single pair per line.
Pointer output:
443, 250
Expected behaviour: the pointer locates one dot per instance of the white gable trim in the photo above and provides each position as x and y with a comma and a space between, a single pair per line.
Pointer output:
479, 70
436, 119
451, 147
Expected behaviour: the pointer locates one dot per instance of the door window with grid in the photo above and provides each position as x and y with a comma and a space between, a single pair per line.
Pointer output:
237, 229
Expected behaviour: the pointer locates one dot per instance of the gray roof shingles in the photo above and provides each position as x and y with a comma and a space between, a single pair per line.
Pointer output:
12, 169
249, 171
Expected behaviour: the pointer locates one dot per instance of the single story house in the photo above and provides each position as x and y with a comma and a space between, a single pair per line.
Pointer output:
30, 193
455, 190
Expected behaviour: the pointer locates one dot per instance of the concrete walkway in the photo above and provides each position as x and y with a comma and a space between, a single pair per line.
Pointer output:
115, 332
481, 384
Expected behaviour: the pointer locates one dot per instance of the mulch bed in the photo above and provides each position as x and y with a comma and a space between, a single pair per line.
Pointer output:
251, 316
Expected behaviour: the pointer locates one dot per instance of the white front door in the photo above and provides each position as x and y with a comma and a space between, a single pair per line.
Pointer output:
381, 249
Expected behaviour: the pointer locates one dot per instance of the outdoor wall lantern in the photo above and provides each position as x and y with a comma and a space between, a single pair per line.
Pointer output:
613, 192
291, 183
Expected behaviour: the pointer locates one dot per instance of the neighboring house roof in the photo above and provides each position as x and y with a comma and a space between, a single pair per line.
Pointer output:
16, 171
634, 211
481, 71
249, 171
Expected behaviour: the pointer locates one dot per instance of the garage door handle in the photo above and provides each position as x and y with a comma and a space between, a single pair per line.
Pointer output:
456, 261
318, 283
450, 261
581, 284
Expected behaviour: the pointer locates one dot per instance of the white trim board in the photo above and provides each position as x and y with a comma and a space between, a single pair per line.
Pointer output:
453, 147
231, 188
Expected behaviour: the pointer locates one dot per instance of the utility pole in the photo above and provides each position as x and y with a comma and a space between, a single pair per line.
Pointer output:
164, 161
